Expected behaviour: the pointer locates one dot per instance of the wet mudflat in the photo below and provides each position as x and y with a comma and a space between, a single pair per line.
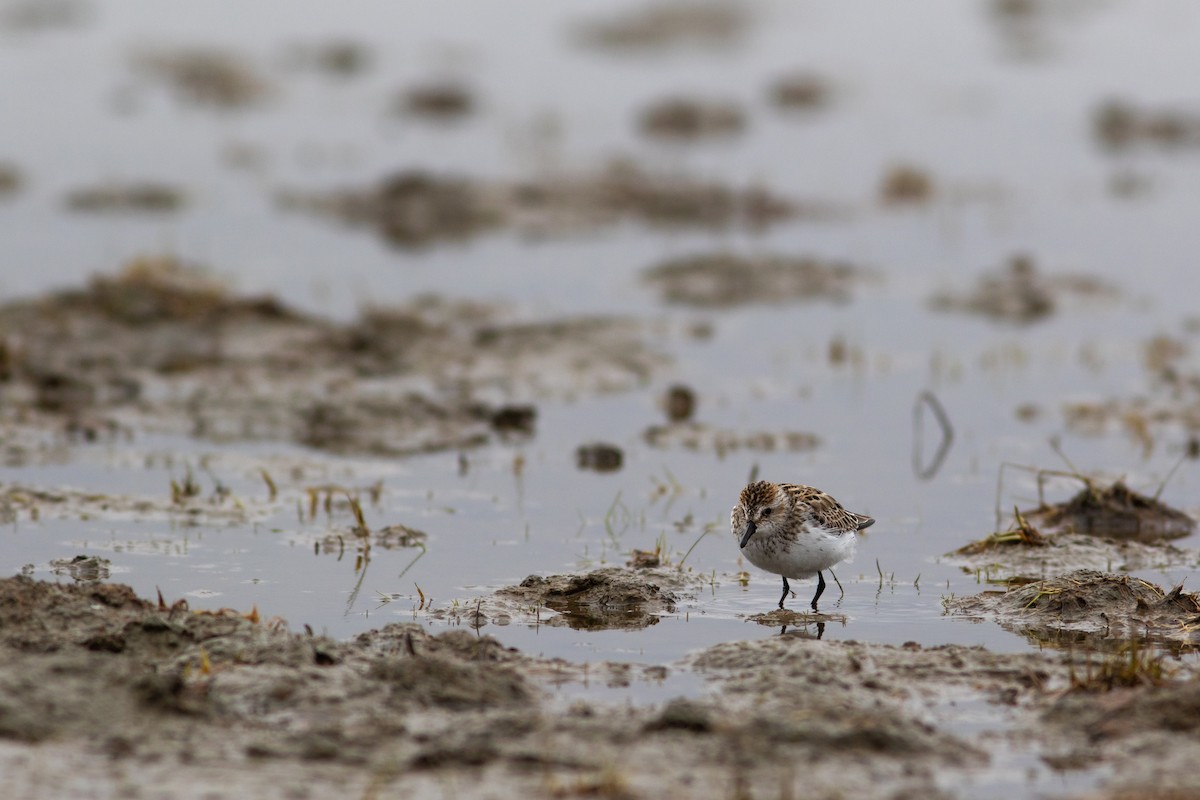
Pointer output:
373, 398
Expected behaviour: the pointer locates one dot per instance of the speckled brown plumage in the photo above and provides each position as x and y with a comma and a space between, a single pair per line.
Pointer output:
795, 531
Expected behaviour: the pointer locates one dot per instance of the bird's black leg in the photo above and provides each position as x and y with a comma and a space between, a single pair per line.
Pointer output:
786, 589
820, 588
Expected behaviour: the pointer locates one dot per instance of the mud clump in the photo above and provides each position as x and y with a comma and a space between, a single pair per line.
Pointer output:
679, 403
442, 102
1092, 603
599, 457
202, 77
668, 24
800, 92
340, 58
416, 209
1119, 125
906, 185
134, 197
1116, 512
602, 599
10, 179
684, 118
1020, 293
723, 280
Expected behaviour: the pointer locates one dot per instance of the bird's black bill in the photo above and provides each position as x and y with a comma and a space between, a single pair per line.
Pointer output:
750, 529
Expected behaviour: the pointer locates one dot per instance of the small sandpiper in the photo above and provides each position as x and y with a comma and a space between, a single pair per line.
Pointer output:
794, 531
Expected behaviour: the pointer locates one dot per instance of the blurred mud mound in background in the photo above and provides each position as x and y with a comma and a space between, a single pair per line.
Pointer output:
724, 280
417, 208
1021, 293
162, 347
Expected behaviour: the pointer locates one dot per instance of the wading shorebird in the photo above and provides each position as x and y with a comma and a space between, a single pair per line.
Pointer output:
794, 531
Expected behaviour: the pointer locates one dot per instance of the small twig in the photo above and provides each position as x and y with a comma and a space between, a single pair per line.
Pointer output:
842, 591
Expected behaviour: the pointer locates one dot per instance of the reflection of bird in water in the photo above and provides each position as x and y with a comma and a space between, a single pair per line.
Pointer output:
794, 531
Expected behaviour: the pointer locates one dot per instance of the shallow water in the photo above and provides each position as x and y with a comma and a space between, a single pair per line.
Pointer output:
1007, 139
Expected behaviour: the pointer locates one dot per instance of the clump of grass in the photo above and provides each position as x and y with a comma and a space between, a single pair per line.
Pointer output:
1021, 533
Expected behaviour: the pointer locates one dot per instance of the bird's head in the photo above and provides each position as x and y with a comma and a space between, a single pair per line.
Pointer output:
761, 507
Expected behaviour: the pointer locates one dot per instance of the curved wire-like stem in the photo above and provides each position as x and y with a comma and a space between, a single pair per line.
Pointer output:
928, 398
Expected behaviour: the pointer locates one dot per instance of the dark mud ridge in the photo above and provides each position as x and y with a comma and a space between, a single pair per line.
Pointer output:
105, 694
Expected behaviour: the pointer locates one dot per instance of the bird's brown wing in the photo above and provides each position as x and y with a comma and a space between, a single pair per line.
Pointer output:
825, 511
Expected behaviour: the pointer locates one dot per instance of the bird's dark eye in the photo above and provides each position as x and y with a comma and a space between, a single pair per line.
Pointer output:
766, 512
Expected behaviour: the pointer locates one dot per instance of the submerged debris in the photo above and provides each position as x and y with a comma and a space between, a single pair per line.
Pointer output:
684, 118
152, 197
1090, 602
1119, 124
668, 24
723, 280
1020, 293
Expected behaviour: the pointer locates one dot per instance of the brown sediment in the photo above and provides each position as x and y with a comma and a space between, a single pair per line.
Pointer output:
602, 599
906, 184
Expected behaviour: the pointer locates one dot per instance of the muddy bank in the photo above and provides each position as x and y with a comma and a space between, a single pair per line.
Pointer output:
105, 690
162, 347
